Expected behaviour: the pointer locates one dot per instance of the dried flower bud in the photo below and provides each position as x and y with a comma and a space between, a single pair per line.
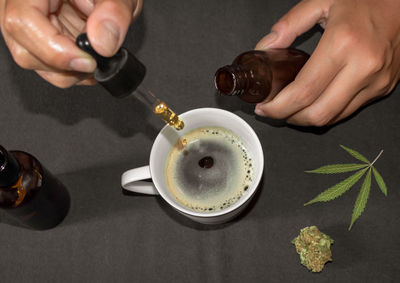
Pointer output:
313, 246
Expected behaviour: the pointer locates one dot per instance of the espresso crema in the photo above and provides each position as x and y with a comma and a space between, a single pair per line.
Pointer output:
209, 169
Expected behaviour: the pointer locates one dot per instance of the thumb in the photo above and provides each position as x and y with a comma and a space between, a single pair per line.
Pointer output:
108, 24
298, 20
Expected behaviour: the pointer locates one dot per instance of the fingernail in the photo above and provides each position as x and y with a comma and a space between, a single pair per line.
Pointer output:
85, 65
267, 40
108, 36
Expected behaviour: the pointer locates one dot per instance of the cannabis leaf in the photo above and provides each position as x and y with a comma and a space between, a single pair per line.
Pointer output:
355, 154
379, 181
362, 198
338, 189
342, 187
337, 168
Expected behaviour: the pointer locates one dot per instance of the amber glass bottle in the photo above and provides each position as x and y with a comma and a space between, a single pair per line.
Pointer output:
256, 76
29, 192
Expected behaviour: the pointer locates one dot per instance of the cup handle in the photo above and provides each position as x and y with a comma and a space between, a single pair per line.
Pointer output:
131, 180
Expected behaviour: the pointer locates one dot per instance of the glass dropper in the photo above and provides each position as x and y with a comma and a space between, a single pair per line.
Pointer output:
122, 74
159, 108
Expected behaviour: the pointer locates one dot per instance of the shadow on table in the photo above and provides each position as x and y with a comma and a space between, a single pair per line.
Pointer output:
183, 220
95, 193
234, 104
349, 246
9, 220
126, 116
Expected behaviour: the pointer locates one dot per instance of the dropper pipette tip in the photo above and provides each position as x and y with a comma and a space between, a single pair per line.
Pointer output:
162, 110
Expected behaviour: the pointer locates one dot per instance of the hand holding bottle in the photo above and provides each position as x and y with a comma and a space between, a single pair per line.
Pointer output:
356, 61
41, 34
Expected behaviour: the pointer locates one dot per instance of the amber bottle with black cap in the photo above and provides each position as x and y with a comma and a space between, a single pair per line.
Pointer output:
257, 76
29, 192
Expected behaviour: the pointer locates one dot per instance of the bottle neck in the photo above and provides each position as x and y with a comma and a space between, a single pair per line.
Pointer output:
9, 169
232, 80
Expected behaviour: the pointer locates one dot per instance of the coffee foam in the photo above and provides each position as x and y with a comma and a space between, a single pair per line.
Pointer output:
209, 189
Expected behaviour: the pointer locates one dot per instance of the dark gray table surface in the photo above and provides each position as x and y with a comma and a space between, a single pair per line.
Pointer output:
87, 139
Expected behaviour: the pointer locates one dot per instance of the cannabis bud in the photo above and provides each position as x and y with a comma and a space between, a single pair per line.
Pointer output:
313, 246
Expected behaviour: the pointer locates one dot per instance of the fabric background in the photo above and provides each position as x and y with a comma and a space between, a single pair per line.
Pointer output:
88, 138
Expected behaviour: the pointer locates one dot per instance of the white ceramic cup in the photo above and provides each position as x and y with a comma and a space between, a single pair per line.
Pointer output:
132, 180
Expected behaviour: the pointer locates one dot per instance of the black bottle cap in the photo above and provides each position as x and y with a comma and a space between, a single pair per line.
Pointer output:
120, 74
9, 169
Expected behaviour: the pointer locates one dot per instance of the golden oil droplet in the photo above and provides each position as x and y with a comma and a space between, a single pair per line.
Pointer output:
181, 144
168, 116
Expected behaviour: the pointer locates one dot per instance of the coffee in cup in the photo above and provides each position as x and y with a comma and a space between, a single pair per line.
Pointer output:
209, 169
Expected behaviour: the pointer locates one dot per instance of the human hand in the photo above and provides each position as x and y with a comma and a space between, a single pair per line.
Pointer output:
356, 61
40, 34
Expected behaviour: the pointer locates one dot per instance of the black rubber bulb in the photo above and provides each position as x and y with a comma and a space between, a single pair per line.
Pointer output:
120, 74
83, 43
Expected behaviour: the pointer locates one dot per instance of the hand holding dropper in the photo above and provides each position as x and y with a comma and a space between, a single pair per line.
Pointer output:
122, 74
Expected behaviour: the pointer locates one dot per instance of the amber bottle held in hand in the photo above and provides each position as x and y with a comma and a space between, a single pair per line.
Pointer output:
257, 76
29, 192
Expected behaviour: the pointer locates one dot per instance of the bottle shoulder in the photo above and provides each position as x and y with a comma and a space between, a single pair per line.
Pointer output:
271, 56
29, 164
28, 183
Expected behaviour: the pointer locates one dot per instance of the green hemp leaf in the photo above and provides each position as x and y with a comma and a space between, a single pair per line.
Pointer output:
342, 187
